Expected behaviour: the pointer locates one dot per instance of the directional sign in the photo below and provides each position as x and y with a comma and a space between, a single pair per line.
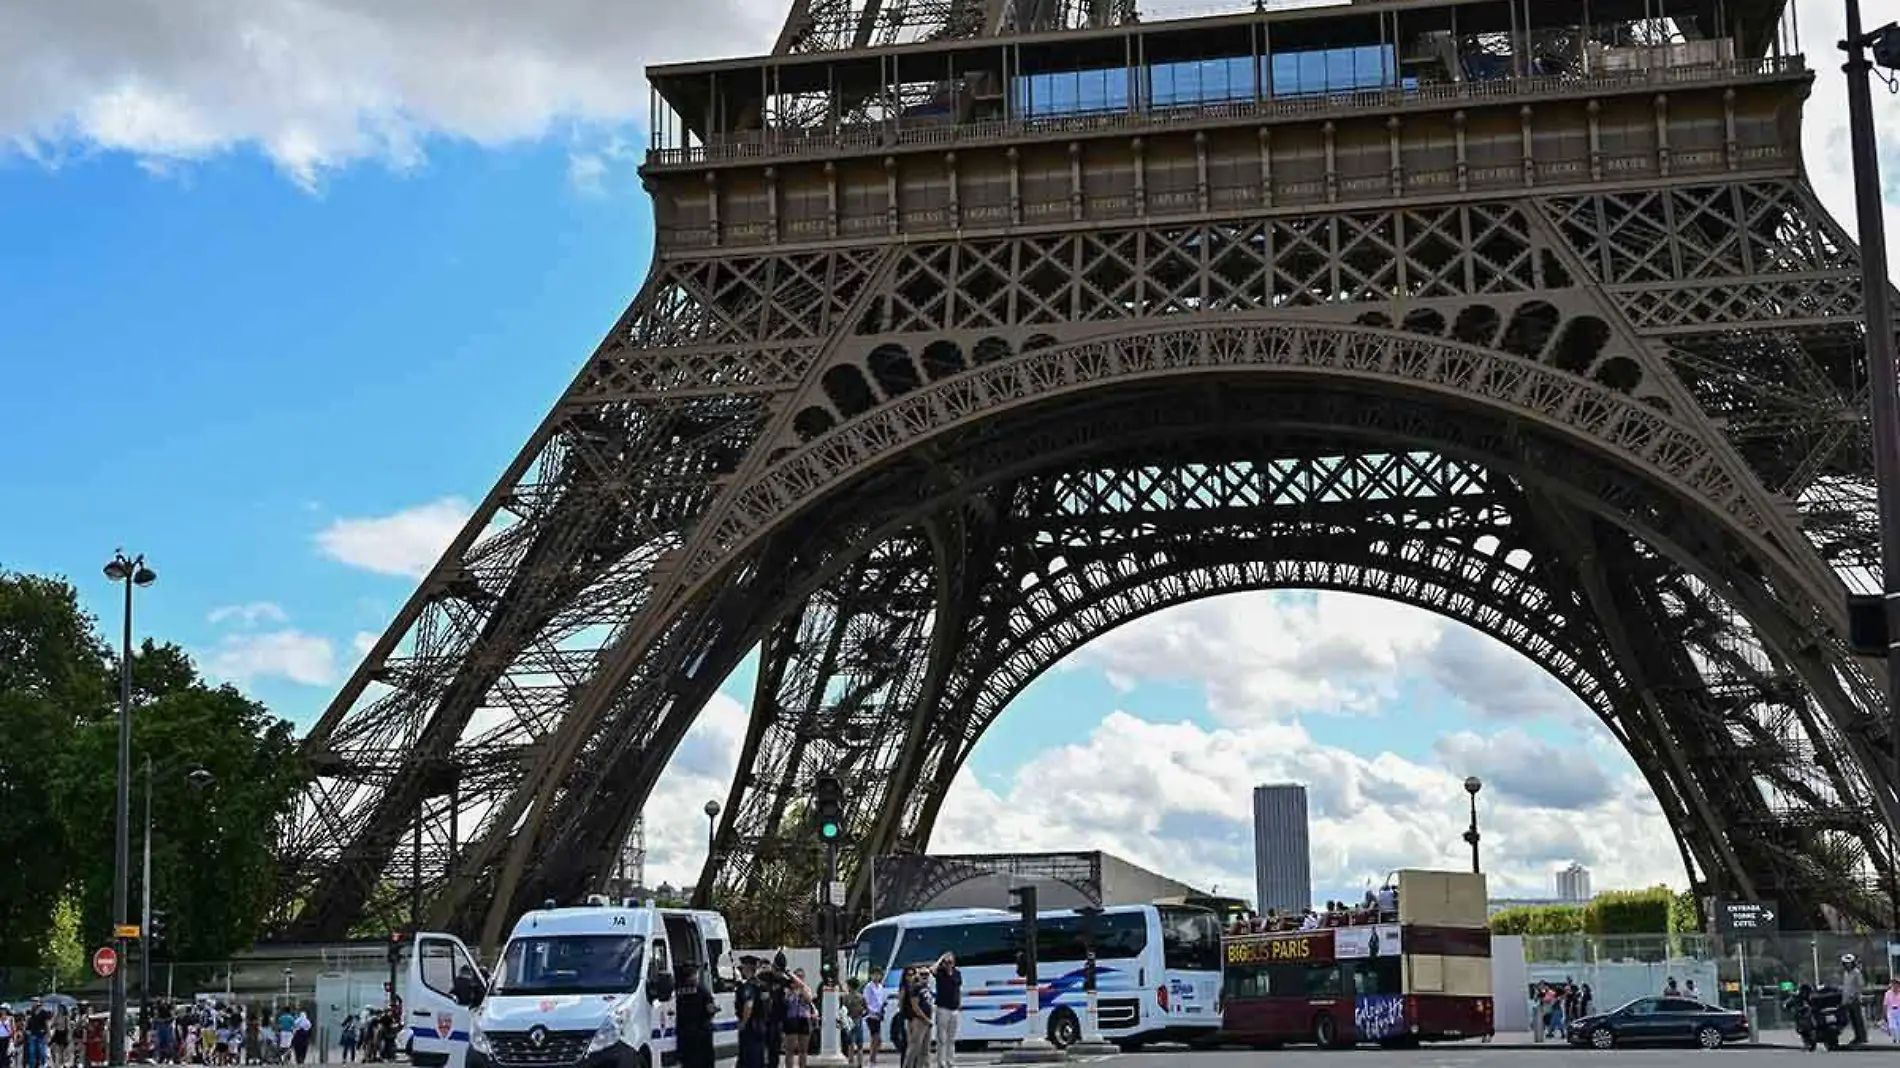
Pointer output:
1745, 917
126, 930
105, 962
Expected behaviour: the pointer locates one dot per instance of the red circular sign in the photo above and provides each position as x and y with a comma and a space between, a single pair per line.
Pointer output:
105, 962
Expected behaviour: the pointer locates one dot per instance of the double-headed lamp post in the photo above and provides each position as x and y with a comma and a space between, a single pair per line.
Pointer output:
1472, 785
129, 573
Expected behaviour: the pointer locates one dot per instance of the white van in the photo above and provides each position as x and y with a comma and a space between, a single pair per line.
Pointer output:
593, 986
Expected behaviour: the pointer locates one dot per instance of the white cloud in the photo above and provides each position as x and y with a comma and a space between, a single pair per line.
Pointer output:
1824, 138
405, 543
1272, 657
363, 641
302, 658
1177, 797
318, 84
247, 615
701, 770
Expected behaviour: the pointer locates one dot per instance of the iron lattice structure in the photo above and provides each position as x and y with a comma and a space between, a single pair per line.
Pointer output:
909, 882
932, 382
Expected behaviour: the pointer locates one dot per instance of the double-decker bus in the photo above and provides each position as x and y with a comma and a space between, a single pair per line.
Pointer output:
1158, 970
1416, 970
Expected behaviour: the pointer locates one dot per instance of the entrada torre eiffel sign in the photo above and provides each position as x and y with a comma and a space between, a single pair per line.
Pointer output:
976, 327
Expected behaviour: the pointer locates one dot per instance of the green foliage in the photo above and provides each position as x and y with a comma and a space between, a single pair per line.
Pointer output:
53, 675
64, 953
1539, 920
1685, 914
1629, 912
212, 848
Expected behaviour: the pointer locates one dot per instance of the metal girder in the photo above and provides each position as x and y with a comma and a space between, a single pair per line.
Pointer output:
1676, 362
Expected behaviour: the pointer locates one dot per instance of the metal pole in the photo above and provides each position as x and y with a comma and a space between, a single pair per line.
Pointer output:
145, 914
1472, 835
122, 836
1880, 363
829, 1053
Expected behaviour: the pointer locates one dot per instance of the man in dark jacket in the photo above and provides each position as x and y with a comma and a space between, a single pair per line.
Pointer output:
696, 1008
753, 1007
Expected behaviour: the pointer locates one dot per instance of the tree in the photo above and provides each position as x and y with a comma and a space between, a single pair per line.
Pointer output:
63, 956
53, 675
1539, 920
1685, 914
1629, 912
213, 848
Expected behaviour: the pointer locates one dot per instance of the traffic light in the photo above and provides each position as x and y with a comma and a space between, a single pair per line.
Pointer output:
1886, 47
395, 947
828, 808
1867, 624
1089, 914
1025, 907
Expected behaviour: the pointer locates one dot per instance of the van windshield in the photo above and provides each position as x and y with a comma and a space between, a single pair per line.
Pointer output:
571, 964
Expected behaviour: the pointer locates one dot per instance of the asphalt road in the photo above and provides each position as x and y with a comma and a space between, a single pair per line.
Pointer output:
1494, 1056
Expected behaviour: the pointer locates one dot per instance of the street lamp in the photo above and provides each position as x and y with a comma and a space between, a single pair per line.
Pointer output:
1885, 45
1472, 785
712, 826
129, 573
200, 780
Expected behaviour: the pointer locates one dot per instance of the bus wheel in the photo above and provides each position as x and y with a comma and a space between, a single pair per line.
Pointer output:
1064, 1029
1325, 1032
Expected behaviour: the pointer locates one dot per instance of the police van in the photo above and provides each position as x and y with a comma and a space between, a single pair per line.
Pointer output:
584, 987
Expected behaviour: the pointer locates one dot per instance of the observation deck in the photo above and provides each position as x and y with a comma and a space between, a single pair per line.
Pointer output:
1257, 111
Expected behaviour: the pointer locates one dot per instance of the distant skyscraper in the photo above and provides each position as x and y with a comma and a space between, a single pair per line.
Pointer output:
1573, 883
1282, 861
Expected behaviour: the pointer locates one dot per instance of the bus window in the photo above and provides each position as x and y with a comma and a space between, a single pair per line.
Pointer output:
872, 955
1324, 981
1190, 940
1118, 936
1376, 977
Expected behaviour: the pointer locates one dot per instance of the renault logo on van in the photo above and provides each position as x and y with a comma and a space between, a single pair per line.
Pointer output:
537, 1036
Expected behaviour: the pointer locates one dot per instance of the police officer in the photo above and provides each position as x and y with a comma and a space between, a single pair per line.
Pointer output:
753, 1006
696, 1009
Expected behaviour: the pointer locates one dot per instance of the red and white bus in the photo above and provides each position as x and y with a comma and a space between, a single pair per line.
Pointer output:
1418, 970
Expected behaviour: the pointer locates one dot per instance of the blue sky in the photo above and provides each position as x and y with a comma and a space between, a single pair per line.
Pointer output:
275, 325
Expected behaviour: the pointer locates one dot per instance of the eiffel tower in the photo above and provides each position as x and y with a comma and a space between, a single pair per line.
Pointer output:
978, 327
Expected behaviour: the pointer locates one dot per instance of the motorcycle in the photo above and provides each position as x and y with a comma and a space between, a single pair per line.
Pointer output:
1819, 1017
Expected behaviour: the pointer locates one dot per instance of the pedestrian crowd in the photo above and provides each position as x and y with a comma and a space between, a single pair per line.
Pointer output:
779, 1016
50, 1036
1552, 1004
221, 1034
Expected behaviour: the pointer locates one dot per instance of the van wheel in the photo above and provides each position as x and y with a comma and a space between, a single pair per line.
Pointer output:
1064, 1029
1325, 1032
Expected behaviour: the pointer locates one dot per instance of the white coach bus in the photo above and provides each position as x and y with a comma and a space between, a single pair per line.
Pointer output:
1158, 970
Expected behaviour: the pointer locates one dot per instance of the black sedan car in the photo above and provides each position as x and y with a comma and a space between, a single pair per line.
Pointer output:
1659, 1022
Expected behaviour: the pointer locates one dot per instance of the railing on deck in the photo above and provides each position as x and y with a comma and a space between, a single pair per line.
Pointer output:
759, 145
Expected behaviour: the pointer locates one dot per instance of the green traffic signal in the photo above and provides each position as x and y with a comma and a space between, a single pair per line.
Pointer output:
828, 829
